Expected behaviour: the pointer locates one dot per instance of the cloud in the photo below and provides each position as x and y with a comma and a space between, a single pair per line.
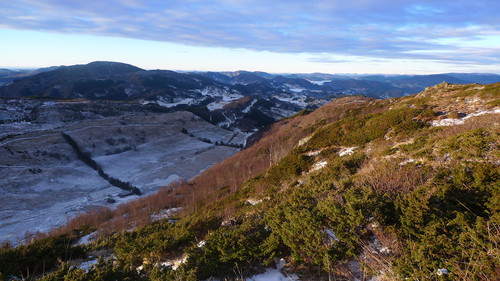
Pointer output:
423, 29
326, 58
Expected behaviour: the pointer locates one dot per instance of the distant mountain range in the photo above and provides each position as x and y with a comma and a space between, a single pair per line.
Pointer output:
245, 107
119, 81
241, 99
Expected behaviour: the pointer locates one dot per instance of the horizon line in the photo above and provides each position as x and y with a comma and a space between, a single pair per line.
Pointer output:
34, 68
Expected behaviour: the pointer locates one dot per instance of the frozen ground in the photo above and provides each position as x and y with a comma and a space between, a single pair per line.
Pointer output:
43, 183
274, 274
460, 121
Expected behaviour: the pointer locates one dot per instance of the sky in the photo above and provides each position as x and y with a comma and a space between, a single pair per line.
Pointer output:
278, 36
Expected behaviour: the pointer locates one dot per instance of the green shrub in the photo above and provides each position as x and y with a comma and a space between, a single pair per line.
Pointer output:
228, 248
40, 256
356, 130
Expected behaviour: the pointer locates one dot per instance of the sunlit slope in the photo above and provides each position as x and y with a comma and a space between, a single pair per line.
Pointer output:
359, 188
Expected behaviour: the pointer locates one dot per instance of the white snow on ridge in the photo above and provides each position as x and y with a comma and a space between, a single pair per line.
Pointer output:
225, 94
223, 98
172, 104
460, 121
231, 97
304, 140
209, 91
216, 105
319, 82
246, 110
346, 151
227, 122
319, 165
295, 100
496, 111
447, 122
313, 153
294, 88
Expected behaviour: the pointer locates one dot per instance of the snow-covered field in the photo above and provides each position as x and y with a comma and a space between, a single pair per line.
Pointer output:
43, 183
297, 99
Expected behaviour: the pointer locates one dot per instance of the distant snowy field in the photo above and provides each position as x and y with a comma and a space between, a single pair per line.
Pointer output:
43, 183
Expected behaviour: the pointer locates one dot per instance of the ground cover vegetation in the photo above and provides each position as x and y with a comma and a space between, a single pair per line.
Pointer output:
359, 188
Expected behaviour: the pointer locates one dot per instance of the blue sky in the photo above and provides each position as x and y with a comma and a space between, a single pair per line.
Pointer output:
356, 36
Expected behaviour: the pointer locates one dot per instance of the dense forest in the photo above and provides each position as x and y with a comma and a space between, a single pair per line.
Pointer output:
401, 188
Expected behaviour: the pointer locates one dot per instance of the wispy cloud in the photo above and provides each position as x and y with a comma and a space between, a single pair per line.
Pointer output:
393, 29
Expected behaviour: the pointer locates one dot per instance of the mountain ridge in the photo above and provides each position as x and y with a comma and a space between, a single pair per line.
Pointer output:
405, 84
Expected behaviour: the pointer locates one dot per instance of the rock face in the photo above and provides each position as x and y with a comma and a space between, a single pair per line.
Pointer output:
44, 181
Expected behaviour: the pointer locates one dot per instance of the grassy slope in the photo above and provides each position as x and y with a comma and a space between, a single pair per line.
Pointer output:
409, 200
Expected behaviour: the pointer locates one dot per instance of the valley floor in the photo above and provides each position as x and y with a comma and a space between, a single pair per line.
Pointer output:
43, 182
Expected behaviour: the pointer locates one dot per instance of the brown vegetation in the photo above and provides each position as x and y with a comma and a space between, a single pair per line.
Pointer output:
228, 175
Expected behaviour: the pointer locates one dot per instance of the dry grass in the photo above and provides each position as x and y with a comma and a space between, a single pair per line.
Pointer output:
222, 178
388, 176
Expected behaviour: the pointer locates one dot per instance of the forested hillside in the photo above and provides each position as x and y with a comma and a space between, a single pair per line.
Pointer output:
395, 189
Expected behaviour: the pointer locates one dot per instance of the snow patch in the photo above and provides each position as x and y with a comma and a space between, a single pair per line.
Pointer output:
411, 160
172, 104
86, 265
225, 99
304, 140
319, 165
321, 82
331, 235
274, 274
355, 268
447, 122
380, 248
254, 201
86, 239
474, 100
295, 100
165, 214
227, 122
216, 105
460, 121
496, 111
174, 263
216, 92
294, 89
346, 151
246, 110
314, 152
442, 271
